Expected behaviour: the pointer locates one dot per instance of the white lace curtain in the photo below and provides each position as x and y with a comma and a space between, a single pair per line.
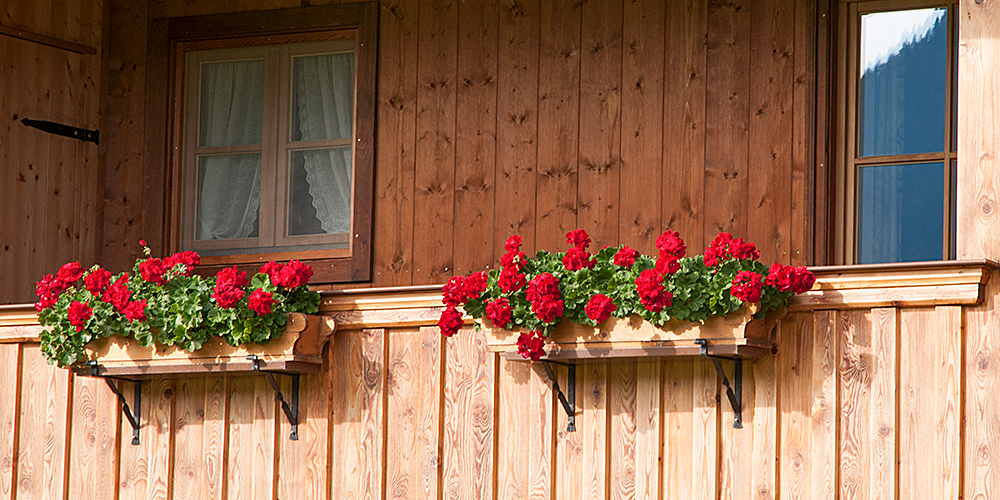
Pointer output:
232, 114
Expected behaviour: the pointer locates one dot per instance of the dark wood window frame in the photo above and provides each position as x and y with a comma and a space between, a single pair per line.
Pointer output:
163, 130
843, 205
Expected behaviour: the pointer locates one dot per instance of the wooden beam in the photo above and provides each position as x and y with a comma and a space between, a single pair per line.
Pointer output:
47, 40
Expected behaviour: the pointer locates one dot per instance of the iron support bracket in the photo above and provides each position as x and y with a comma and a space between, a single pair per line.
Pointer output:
131, 414
735, 391
567, 401
291, 410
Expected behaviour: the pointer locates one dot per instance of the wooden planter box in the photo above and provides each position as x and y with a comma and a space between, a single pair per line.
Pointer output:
298, 350
736, 335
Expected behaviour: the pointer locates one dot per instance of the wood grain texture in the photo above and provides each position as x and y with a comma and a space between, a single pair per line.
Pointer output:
634, 419
803, 153
413, 413
599, 155
357, 385
44, 428
640, 212
559, 53
769, 201
981, 424
684, 119
93, 440
930, 360
469, 397
146, 469
10, 416
250, 452
524, 432
434, 198
978, 200
690, 430
517, 123
394, 177
476, 135
200, 438
727, 118
303, 465
582, 462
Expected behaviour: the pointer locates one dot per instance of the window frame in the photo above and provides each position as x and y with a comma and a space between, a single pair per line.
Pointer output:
846, 224
287, 26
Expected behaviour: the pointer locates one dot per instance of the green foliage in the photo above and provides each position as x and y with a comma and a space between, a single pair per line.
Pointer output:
181, 312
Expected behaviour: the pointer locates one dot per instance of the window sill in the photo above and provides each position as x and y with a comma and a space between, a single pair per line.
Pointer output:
911, 284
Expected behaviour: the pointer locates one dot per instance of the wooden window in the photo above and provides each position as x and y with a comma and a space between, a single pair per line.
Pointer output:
897, 182
272, 138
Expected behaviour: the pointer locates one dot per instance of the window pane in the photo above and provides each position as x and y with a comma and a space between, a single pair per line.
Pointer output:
228, 196
900, 213
902, 93
323, 97
232, 103
319, 198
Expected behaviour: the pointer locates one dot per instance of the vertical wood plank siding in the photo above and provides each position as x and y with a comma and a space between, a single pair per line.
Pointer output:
861, 403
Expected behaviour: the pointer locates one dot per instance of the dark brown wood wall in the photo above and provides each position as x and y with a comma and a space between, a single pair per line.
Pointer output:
537, 117
50, 194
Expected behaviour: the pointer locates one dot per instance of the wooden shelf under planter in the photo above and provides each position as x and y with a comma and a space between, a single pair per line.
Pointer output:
737, 335
298, 350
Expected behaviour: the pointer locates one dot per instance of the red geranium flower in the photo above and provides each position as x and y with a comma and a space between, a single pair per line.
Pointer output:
578, 258
152, 271
747, 286
512, 244
97, 281
189, 258
69, 272
118, 294
78, 314
790, 279
652, 294
450, 322
626, 256
229, 284
260, 301
599, 308
48, 291
531, 345
578, 238
499, 312
135, 310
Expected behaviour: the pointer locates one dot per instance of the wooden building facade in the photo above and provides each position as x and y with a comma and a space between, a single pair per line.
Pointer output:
529, 117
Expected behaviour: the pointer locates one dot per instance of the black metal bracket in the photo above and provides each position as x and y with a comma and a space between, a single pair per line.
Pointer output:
567, 401
734, 391
131, 414
64, 130
292, 410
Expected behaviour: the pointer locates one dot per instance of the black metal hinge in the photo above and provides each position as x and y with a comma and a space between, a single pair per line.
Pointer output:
64, 130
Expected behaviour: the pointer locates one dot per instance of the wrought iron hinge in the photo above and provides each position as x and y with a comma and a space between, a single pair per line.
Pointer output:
64, 130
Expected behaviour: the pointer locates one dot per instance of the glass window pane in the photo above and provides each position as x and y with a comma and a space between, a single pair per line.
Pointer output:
902, 93
323, 97
319, 198
228, 196
232, 103
900, 213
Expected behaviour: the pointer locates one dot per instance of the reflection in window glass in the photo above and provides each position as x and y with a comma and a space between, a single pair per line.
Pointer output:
900, 213
902, 93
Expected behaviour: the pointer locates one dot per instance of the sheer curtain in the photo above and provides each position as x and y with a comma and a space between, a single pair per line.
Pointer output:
232, 114
324, 102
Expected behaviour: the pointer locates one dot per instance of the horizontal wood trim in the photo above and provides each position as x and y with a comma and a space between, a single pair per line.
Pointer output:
48, 41
736, 348
312, 18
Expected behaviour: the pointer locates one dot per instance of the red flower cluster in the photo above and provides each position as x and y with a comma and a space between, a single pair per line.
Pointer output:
135, 310
672, 249
152, 270
50, 287
790, 278
747, 286
78, 314
450, 322
189, 258
724, 247
118, 294
512, 263
546, 300
229, 284
652, 294
260, 301
499, 312
599, 308
462, 289
97, 281
290, 275
626, 256
578, 257
531, 345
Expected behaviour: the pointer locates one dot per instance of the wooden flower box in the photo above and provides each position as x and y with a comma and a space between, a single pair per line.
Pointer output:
298, 350
736, 335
